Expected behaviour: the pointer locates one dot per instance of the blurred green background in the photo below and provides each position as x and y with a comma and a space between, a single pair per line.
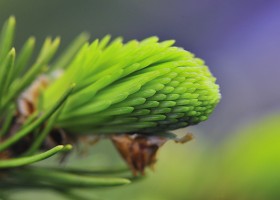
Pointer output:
236, 153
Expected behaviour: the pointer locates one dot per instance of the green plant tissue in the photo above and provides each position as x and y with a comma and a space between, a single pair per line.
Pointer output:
138, 86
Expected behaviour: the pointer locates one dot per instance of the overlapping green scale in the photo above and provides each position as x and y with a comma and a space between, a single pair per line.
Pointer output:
134, 87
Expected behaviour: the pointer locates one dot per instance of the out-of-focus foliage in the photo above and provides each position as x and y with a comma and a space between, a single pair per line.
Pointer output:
251, 161
246, 166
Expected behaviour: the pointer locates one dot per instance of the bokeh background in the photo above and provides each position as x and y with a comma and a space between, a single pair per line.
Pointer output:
236, 154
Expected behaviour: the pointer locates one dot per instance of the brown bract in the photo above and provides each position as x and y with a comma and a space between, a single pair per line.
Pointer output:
139, 151
186, 138
28, 100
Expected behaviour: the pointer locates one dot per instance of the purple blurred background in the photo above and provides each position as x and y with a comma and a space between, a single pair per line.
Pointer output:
238, 39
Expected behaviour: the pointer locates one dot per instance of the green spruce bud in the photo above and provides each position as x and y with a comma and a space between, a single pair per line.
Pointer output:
146, 86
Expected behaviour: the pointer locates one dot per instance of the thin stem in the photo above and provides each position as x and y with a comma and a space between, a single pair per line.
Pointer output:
70, 52
7, 122
24, 57
5, 68
73, 180
7, 36
40, 138
17, 162
30, 119
69, 194
99, 171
